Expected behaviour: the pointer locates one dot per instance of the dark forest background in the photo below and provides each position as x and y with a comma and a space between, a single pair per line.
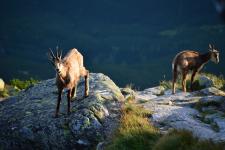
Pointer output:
131, 41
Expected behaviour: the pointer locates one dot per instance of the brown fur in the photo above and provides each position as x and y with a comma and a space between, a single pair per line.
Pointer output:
69, 70
188, 60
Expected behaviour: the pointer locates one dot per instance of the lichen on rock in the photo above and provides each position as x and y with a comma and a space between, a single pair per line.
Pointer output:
27, 120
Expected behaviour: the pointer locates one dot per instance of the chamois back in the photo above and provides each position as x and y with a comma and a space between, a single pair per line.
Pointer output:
73, 55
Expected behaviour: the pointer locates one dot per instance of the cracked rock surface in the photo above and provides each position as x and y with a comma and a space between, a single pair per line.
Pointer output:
201, 112
27, 120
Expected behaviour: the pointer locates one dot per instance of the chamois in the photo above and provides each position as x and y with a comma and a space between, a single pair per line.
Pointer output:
188, 60
68, 73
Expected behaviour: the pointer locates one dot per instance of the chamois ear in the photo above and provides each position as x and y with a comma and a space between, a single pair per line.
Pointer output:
210, 46
58, 53
61, 52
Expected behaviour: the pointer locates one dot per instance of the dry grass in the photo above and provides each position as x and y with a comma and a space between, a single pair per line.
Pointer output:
184, 140
135, 131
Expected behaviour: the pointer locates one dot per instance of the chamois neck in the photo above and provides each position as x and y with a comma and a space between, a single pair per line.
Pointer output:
205, 57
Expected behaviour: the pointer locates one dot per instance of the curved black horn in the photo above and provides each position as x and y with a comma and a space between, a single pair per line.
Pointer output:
57, 51
52, 54
61, 51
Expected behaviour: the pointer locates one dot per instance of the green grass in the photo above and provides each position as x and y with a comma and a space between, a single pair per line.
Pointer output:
218, 82
184, 140
15, 86
196, 85
137, 133
23, 84
4, 93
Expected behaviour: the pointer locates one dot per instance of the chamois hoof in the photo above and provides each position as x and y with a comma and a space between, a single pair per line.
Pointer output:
68, 113
56, 116
73, 99
85, 96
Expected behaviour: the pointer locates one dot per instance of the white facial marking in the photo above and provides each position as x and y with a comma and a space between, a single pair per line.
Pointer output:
58, 67
214, 58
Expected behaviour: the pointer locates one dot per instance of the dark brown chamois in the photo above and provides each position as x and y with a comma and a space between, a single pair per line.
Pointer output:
68, 73
188, 60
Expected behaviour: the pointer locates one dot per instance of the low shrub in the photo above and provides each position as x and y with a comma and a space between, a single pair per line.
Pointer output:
23, 84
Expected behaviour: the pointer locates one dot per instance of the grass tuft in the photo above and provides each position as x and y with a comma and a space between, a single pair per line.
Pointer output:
184, 140
218, 82
23, 84
4, 93
135, 131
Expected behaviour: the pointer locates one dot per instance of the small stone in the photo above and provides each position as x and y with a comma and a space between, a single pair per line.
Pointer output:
82, 142
170, 103
205, 81
212, 98
100, 146
212, 91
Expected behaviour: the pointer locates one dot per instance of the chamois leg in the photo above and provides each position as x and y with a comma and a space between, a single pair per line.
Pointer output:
68, 101
74, 92
192, 79
174, 81
184, 81
58, 102
86, 92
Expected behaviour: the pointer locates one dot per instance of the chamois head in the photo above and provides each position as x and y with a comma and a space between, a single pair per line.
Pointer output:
214, 54
56, 60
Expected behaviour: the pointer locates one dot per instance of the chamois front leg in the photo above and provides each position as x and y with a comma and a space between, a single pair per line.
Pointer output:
86, 92
68, 100
174, 81
58, 102
74, 91
184, 81
192, 79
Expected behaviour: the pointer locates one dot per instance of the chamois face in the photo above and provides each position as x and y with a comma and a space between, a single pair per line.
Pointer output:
58, 65
56, 60
214, 54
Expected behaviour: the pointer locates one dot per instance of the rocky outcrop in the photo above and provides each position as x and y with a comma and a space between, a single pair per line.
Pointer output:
27, 120
201, 112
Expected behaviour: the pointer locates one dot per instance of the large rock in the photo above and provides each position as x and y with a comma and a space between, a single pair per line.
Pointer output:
205, 81
150, 93
2, 85
27, 122
201, 112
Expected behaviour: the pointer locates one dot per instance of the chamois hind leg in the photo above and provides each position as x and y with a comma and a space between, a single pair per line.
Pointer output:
184, 80
58, 102
85, 74
74, 92
192, 79
174, 80
68, 100
86, 77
